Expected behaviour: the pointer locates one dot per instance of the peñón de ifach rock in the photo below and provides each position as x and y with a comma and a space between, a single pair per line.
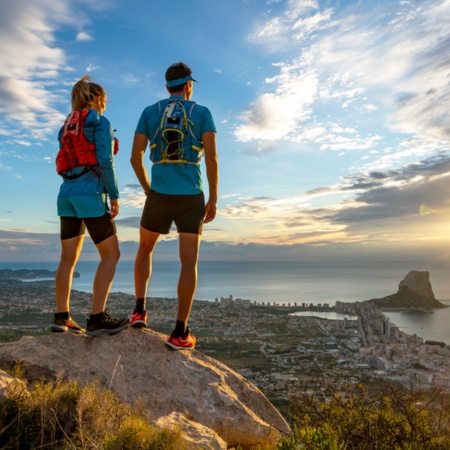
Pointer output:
414, 292
138, 366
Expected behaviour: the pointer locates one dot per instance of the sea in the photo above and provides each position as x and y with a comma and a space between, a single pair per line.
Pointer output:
288, 282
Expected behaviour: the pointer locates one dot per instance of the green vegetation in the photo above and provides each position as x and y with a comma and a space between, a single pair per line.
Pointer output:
62, 415
59, 415
390, 418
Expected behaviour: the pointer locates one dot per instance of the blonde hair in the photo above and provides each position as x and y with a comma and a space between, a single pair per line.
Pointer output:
84, 93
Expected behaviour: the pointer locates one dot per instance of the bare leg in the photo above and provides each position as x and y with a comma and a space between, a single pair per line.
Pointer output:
143, 262
187, 283
70, 252
109, 256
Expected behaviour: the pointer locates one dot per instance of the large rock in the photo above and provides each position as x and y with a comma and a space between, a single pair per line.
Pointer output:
419, 283
136, 364
196, 436
7, 383
414, 292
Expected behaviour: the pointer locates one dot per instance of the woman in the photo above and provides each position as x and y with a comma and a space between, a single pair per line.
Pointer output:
83, 203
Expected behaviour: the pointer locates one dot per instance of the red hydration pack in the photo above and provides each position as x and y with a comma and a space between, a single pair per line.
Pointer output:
76, 150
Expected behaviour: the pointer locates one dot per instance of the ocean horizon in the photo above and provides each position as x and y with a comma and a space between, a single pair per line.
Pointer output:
286, 282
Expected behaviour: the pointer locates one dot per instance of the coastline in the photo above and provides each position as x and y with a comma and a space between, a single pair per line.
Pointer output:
281, 354
278, 351
284, 283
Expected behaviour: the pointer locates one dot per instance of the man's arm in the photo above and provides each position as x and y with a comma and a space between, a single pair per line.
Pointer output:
137, 160
212, 173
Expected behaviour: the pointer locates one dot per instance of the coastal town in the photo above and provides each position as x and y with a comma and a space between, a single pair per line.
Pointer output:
275, 346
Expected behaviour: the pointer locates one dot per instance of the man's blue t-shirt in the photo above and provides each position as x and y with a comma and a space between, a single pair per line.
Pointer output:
176, 179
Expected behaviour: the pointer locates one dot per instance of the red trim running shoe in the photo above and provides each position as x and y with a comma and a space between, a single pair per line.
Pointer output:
185, 342
138, 320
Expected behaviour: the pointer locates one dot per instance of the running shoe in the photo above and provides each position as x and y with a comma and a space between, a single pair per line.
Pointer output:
185, 342
63, 325
108, 325
138, 319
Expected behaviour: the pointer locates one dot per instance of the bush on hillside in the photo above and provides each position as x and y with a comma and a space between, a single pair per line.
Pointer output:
391, 418
62, 415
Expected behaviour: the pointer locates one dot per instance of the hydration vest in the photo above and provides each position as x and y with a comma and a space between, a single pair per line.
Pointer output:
77, 150
174, 140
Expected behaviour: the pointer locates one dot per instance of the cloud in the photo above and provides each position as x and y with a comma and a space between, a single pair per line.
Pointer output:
83, 36
32, 64
276, 115
129, 222
390, 60
354, 209
133, 196
299, 19
91, 68
23, 245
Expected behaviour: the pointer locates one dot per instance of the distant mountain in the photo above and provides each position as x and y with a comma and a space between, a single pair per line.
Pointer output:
29, 274
414, 292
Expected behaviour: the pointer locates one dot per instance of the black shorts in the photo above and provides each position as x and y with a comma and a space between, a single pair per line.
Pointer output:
160, 210
99, 228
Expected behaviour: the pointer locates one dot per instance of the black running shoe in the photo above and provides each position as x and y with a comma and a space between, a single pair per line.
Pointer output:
108, 325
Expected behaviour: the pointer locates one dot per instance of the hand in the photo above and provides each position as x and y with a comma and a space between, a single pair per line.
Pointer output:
210, 212
114, 208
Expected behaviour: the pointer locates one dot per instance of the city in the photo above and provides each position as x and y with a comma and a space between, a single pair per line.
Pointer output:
275, 347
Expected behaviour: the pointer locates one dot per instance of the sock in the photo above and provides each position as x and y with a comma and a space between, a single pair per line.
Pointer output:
140, 305
180, 328
62, 315
96, 318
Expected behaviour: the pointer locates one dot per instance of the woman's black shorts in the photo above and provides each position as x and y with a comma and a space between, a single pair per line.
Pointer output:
99, 228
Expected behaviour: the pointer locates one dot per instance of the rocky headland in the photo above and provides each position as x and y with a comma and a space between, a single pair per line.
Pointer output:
414, 292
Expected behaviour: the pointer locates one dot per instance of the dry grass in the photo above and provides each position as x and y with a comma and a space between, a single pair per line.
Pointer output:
62, 415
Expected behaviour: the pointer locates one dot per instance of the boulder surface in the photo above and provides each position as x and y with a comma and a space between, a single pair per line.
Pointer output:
138, 366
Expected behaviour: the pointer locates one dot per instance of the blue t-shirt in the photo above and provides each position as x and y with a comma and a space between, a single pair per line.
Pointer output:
102, 180
176, 179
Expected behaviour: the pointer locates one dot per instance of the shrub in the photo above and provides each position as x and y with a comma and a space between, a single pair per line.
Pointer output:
386, 419
62, 415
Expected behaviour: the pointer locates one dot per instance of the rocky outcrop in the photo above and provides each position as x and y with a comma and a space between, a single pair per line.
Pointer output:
29, 274
7, 383
414, 292
196, 436
138, 366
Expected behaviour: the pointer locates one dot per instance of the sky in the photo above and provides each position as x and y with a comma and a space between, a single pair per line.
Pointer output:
332, 120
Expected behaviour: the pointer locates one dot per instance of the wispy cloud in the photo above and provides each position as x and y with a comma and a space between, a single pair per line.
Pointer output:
30, 59
33, 65
367, 80
352, 209
92, 68
133, 196
394, 59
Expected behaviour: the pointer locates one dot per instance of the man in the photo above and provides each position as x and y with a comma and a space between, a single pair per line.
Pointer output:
179, 132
